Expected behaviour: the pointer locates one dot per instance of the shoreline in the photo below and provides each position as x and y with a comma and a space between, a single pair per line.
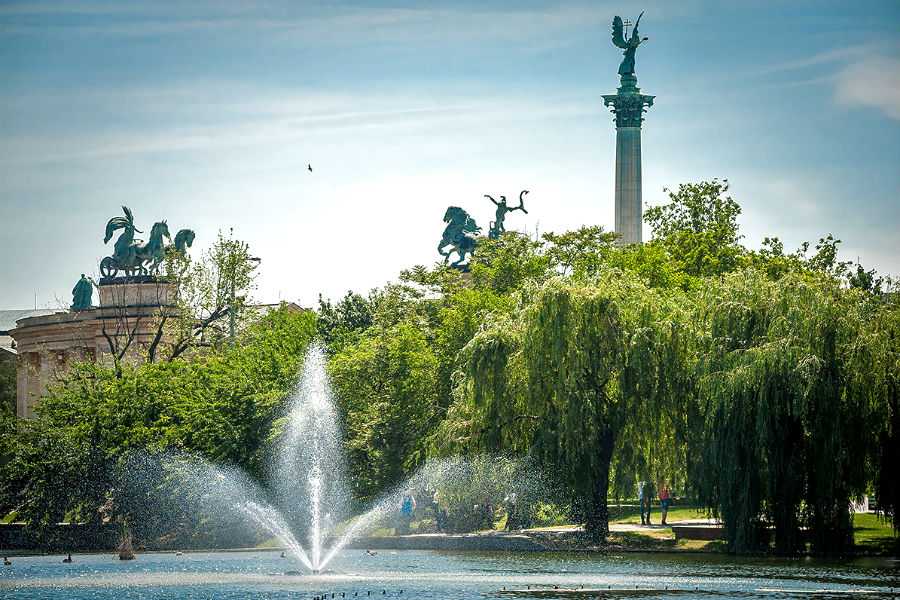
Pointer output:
500, 542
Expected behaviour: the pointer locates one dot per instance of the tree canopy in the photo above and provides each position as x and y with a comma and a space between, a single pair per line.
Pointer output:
763, 383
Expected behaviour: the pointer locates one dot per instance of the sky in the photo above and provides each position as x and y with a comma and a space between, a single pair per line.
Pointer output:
206, 114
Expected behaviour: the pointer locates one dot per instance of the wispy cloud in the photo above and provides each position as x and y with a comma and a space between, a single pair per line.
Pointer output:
488, 21
827, 57
867, 75
273, 119
871, 83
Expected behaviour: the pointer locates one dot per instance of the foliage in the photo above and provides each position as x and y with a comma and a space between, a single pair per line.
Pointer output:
583, 251
387, 386
220, 405
209, 290
503, 265
760, 381
564, 376
7, 384
699, 227
340, 323
789, 400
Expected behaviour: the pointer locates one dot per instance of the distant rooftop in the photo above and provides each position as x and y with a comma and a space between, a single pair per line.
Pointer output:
8, 318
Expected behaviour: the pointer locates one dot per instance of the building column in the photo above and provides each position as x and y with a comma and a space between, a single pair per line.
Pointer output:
628, 105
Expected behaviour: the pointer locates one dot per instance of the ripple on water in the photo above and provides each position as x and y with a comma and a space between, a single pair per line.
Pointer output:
443, 575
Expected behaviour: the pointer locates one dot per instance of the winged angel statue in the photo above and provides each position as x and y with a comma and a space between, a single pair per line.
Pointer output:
629, 45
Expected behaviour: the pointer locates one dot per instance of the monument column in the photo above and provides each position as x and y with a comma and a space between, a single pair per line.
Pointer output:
628, 104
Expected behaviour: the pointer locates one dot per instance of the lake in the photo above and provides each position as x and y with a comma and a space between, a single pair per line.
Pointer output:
445, 576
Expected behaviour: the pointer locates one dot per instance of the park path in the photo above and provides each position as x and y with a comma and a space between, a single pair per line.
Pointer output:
628, 527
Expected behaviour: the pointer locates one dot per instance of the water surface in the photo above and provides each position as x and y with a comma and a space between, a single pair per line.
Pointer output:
446, 576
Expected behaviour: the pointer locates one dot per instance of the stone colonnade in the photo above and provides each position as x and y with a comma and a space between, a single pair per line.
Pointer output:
125, 323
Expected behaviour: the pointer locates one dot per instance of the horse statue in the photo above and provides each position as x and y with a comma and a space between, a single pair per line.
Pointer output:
184, 239
133, 255
457, 235
124, 249
154, 251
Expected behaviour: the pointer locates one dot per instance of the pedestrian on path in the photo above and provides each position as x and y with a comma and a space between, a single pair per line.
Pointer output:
645, 497
512, 514
640, 487
665, 500
407, 508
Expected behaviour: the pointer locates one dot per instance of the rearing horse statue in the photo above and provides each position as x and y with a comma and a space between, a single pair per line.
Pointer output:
456, 235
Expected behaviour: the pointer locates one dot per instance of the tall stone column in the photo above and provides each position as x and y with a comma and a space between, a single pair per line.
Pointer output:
629, 106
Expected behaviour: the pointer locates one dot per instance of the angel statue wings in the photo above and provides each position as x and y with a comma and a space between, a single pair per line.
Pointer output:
629, 45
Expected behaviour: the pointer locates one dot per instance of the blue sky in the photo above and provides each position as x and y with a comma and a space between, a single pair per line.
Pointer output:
207, 113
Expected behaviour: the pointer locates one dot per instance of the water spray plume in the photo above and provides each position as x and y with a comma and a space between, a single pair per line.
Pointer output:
309, 493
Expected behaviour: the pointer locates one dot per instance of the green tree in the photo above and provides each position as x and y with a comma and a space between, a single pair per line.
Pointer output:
699, 227
504, 265
340, 323
583, 251
212, 297
387, 386
565, 376
221, 405
8, 385
787, 407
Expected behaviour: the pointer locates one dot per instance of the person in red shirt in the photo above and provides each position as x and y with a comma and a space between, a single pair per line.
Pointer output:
665, 500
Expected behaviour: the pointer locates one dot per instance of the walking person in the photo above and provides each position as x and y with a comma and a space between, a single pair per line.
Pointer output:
512, 515
647, 494
407, 508
665, 500
640, 490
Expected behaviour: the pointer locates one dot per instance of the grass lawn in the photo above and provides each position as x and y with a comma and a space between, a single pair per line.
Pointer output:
873, 534
631, 514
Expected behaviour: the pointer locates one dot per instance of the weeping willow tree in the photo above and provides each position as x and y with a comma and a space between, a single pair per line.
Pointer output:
564, 377
660, 369
786, 409
875, 384
489, 411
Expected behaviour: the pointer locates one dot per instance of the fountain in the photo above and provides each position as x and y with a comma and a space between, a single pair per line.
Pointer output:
307, 500
310, 448
308, 495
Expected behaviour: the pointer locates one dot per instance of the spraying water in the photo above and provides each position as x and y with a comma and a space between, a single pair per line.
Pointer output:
309, 449
308, 478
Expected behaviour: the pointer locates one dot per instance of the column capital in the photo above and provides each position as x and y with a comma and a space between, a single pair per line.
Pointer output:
628, 104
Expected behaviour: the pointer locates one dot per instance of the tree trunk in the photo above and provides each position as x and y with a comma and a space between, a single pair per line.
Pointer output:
597, 517
786, 464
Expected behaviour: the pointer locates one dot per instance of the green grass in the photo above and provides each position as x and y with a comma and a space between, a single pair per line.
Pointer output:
632, 515
873, 534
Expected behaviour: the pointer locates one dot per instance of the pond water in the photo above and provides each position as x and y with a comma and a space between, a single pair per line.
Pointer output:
445, 576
